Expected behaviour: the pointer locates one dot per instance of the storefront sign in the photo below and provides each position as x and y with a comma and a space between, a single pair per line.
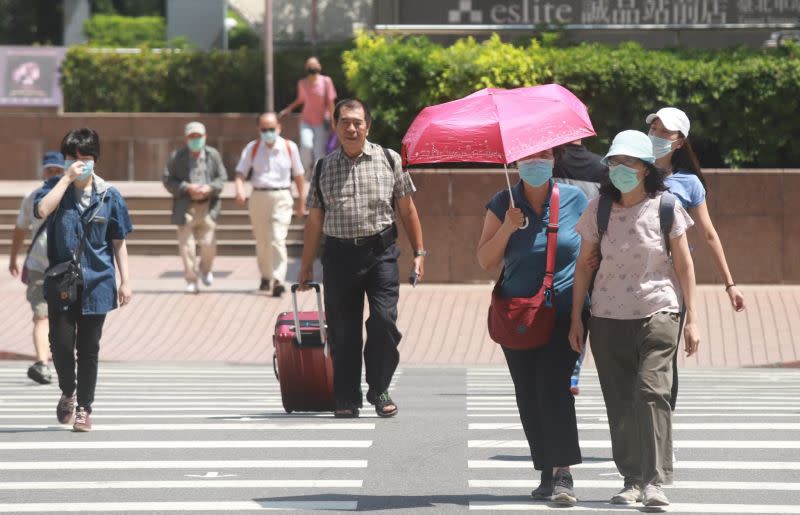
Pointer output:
30, 76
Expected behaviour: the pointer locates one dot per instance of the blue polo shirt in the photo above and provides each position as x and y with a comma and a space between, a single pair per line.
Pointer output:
64, 232
687, 187
525, 256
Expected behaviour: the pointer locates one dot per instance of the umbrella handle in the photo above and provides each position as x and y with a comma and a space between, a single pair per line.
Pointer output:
511, 196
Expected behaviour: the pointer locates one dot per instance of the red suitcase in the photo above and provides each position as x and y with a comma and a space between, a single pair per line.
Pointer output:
302, 361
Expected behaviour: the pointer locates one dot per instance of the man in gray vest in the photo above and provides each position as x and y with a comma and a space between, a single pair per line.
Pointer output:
195, 176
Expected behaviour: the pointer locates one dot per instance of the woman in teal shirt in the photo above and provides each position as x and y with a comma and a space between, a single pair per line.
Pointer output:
541, 376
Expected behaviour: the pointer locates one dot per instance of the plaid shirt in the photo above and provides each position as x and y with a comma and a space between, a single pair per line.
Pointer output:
357, 194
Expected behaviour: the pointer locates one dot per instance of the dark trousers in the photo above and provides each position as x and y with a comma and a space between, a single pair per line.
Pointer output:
546, 405
350, 272
70, 331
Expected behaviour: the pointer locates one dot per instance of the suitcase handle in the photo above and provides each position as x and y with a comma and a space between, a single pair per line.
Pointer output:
323, 334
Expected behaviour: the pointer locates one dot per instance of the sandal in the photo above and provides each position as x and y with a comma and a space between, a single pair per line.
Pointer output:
382, 402
345, 412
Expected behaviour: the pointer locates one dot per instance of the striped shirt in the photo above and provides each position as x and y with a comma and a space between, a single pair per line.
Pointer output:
357, 194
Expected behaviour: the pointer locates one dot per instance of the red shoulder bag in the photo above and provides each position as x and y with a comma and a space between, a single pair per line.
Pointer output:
521, 323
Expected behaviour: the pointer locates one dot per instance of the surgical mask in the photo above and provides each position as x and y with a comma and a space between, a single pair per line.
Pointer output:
536, 171
624, 178
88, 168
312, 71
269, 136
661, 146
196, 144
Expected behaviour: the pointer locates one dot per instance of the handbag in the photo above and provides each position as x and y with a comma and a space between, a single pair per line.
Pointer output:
66, 278
521, 323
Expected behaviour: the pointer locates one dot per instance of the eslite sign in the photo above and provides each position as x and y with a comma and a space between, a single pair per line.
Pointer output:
597, 12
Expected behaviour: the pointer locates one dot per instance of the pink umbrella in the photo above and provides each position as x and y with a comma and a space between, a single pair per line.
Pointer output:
496, 126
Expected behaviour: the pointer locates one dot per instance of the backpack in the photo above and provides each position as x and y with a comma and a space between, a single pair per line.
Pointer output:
318, 170
666, 215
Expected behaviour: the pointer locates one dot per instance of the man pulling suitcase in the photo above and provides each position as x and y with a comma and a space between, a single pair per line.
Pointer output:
354, 193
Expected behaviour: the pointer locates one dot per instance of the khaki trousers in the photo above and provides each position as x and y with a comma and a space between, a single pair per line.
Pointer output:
634, 365
270, 216
199, 229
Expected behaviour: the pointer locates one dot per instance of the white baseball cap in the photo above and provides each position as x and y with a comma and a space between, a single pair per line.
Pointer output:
631, 143
194, 128
673, 119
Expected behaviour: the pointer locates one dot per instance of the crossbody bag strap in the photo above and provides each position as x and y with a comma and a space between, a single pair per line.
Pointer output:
77, 256
552, 239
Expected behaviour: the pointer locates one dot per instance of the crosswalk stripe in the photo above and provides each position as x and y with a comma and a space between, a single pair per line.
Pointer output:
187, 444
685, 444
164, 485
689, 426
144, 396
681, 407
162, 506
106, 415
110, 409
613, 484
98, 404
601, 415
730, 404
603, 507
683, 464
244, 425
180, 464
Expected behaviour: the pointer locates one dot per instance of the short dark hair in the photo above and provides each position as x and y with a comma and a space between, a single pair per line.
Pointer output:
83, 140
352, 103
653, 183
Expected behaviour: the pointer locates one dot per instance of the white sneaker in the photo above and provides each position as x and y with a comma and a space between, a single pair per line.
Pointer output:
191, 287
653, 496
208, 279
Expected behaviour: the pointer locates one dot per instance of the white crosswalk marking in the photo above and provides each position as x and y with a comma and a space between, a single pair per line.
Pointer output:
736, 434
218, 434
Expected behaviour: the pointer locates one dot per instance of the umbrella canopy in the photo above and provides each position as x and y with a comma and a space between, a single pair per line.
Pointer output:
496, 126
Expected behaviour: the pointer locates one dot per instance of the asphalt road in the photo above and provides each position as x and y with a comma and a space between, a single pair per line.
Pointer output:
213, 438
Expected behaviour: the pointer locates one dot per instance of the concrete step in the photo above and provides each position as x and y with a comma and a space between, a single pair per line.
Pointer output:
149, 247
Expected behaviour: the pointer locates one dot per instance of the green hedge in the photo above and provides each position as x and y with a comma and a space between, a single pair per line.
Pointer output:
111, 30
186, 81
741, 102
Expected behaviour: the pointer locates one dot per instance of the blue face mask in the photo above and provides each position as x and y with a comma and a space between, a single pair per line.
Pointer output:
661, 146
88, 168
535, 171
624, 178
196, 144
269, 137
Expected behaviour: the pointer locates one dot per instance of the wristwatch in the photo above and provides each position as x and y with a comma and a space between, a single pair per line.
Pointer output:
420, 253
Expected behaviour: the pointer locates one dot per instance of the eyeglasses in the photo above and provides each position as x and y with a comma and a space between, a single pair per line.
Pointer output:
622, 160
268, 129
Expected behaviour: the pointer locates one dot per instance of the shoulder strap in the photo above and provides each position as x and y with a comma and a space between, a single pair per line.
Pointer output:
254, 151
38, 233
603, 215
317, 173
390, 159
79, 250
666, 215
552, 238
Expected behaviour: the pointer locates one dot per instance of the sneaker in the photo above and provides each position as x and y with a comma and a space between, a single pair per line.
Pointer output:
278, 289
191, 287
630, 493
83, 422
562, 489
264, 286
545, 488
65, 409
653, 496
40, 373
208, 279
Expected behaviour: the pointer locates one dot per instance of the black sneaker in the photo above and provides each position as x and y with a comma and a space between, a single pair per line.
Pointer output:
563, 493
264, 286
545, 488
40, 373
278, 289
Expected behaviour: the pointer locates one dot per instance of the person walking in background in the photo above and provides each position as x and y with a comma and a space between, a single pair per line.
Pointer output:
541, 375
355, 195
271, 163
88, 220
34, 267
669, 132
580, 167
635, 310
317, 95
195, 177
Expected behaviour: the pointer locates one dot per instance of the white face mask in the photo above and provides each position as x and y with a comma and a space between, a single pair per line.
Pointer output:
661, 146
